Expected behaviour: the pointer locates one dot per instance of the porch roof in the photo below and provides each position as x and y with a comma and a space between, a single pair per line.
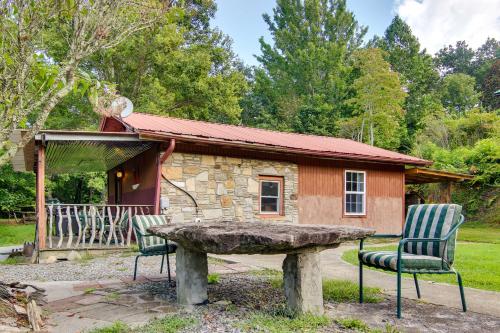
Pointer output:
70, 152
425, 176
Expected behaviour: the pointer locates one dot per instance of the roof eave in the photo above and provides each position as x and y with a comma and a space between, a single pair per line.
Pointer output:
279, 149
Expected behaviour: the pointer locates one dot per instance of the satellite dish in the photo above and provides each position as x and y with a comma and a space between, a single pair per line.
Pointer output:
122, 106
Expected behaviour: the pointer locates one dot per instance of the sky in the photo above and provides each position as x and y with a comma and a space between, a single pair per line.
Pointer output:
436, 23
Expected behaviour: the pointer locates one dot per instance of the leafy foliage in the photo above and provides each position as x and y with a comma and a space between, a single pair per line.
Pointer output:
418, 74
302, 85
458, 93
17, 189
378, 101
491, 84
78, 188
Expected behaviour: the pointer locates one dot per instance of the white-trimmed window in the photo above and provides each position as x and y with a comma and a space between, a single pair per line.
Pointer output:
355, 192
271, 195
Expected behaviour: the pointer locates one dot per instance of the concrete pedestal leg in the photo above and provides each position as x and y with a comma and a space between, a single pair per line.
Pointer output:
191, 277
303, 283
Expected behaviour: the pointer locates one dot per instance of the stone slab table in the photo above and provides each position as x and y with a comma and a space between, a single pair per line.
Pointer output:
302, 245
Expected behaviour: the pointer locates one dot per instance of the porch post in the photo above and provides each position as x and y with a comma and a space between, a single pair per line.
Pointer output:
40, 198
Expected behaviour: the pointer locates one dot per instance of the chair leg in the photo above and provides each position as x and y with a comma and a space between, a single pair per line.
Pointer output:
360, 282
462, 295
416, 285
398, 300
135, 267
168, 266
162, 260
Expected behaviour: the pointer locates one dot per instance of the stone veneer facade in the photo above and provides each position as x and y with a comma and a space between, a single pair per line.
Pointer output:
225, 188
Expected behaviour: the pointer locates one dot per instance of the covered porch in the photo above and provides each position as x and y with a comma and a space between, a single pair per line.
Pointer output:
444, 179
131, 165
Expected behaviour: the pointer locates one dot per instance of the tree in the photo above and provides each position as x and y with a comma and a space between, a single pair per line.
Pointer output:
458, 93
465, 60
418, 75
17, 189
179, 67
303, 82
378, 100
456, 59
490, 85
33, 79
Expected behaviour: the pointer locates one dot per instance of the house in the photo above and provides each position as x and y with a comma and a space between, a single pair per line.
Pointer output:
212, 172
199, 171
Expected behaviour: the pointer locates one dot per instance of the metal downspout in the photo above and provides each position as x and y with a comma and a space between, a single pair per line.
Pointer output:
161, 160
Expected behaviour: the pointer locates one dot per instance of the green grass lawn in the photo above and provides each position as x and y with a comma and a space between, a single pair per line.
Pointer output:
478, 263
15, 234
479, 233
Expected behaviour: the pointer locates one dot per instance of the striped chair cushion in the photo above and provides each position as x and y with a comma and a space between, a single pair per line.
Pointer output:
431, 221
388, 260
141, 223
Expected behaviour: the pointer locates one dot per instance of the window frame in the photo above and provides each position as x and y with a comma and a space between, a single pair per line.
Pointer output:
346, 192
281, 191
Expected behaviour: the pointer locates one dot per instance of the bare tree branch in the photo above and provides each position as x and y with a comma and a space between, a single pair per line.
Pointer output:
32, 82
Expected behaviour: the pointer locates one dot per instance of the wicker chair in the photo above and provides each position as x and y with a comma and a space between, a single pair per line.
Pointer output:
151, 245
427, 246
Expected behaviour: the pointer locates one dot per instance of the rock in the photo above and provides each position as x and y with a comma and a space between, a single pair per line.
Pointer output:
49, 260
229, 184
212, 214
10, 329
257, 237
207, 160
253, 186
203, 176
192, 272
191, 184
19, 309
173, 173
302, 283
73, 255
220, 189
226, 201
192, 169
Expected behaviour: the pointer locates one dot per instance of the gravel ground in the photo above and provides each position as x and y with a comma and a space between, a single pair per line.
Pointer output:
239, 296
101, 268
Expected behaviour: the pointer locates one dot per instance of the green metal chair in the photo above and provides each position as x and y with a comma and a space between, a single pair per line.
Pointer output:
427, 246
151, 245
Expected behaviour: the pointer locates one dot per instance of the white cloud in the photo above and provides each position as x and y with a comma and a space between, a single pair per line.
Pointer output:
437, 23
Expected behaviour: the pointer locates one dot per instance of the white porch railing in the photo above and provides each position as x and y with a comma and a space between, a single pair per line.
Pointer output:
72, 226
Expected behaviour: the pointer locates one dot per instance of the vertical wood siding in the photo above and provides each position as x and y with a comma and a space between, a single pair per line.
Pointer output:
321, 190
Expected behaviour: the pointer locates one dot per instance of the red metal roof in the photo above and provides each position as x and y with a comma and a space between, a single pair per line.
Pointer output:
312, 145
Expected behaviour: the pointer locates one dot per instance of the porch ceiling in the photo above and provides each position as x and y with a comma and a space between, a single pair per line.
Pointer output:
70, 152
88, 152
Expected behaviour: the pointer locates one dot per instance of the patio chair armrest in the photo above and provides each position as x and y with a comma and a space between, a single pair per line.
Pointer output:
361, 243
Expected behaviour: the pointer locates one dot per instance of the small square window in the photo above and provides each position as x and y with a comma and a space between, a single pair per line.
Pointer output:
355, 193
271, 194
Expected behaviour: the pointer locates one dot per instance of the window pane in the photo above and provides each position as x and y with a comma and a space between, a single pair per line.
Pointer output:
361, 177
348, 186
354, 203
270, 188
269, 205
361, 187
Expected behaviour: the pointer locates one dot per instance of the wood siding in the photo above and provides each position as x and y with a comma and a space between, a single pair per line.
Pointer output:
321, 195
141, 169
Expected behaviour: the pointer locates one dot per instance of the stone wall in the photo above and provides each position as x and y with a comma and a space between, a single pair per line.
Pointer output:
225, 188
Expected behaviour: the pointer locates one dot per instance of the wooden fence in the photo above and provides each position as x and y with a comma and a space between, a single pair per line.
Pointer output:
71, 226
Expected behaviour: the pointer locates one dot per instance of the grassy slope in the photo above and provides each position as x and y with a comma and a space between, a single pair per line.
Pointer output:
476, 259
15, 234
479, 233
